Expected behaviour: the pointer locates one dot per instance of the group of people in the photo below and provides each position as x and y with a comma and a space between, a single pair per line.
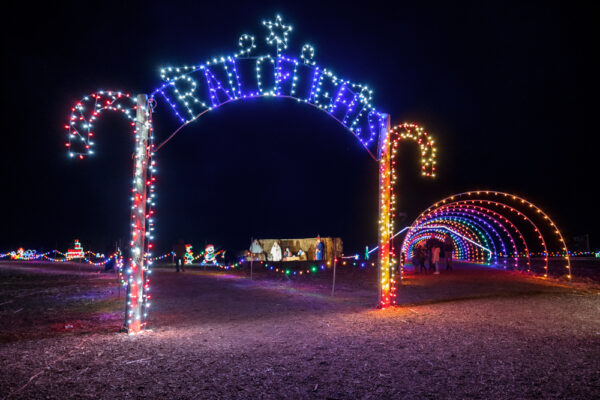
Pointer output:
432, 250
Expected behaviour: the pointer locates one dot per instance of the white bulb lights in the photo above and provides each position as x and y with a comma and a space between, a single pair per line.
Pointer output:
86, 112
278, 33
80, 128
194, 90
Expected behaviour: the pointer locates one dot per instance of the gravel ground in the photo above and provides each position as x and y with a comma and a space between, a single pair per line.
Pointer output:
476, 333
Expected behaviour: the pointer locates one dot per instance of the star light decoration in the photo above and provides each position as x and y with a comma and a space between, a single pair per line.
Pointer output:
278, 33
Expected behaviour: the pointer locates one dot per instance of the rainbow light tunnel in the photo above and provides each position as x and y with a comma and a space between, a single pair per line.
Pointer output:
494, 228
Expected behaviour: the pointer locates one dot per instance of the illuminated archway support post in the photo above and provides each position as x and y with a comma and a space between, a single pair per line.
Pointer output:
134, 318
385, 274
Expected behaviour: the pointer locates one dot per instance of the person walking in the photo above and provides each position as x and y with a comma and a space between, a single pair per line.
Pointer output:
420, 256
179, 251
448, 247
423, 258
429, 245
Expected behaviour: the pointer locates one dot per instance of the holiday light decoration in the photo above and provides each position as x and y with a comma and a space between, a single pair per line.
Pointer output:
388, 149
32, 255
501, 225
293, 268
84, 114
22, 254
308, 54
246, 44
459, 247
188, 257
76, 251
508, 226
487, 211
464, 242
17, 255
209, 255
191, 91
278, 32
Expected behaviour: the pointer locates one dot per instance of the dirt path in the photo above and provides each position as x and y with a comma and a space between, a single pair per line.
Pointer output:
476, 333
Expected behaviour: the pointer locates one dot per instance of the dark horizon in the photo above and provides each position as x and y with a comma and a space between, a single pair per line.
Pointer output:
505, 90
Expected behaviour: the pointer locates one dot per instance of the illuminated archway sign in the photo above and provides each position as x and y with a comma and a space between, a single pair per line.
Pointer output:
192, 91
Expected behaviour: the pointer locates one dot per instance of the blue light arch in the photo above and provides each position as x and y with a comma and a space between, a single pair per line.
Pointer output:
192, 91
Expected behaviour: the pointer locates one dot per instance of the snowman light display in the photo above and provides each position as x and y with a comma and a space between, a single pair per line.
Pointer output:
210, 257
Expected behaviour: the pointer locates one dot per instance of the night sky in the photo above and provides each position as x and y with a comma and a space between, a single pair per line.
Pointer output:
508, 90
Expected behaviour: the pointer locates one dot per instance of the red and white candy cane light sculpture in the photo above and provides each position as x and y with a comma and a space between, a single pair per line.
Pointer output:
84, 114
